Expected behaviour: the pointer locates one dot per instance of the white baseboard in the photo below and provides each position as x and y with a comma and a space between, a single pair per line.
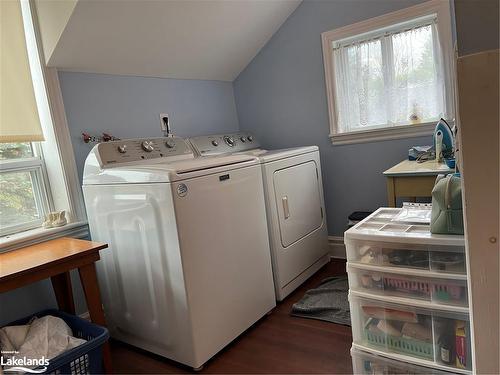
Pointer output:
337, 247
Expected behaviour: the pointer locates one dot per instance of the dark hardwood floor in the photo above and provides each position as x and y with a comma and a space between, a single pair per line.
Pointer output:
277, 344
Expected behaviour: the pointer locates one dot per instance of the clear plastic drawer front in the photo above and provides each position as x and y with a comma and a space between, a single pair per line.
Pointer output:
437, 290
438, 258
369, 364
431, 337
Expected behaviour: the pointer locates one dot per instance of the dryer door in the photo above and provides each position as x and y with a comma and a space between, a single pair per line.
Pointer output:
298, 201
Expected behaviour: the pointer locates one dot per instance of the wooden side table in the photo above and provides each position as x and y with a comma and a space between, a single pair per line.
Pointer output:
55, 259
411, 179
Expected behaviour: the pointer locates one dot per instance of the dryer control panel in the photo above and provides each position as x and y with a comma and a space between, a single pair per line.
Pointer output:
223, 143
130, 150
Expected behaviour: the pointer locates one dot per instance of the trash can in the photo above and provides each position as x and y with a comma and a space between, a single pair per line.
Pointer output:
356, 217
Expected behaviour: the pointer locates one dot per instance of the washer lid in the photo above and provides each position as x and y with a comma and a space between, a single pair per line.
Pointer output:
167, 172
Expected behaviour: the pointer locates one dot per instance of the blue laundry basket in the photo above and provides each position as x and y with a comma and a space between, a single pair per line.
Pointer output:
85, 358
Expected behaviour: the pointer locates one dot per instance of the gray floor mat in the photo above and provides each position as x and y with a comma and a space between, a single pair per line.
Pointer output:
326, 302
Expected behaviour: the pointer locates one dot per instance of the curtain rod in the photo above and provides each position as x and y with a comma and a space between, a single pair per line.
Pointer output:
386, 34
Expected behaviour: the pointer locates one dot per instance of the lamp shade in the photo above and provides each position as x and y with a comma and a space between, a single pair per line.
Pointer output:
19, 120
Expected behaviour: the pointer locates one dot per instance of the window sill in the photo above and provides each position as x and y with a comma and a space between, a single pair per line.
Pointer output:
33, 236
375, 135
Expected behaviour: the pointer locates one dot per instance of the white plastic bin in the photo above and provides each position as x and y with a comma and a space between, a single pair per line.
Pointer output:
364, 363
439, 290
431, 337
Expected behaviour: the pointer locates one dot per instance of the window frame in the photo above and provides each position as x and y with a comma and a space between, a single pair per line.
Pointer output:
439, 8
35, 165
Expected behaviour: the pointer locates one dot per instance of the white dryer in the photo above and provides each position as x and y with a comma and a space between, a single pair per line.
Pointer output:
188, 267
294, 202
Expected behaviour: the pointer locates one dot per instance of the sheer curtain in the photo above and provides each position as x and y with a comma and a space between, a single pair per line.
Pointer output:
389, 80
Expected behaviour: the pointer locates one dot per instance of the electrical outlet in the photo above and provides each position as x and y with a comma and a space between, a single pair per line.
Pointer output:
165, 126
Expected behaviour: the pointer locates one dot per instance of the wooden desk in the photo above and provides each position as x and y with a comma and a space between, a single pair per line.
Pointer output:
411, 179
55, 259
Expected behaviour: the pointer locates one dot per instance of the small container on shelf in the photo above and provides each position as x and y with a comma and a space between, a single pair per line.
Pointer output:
439, 290
432, 337
443, 261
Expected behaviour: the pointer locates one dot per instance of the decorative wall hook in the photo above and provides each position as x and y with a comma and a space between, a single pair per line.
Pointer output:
106, 137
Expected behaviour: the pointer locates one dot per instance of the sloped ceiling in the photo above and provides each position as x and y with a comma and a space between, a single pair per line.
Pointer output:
190, 39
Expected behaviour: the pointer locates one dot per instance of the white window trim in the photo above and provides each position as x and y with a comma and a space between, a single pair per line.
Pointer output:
439, 7
57, 148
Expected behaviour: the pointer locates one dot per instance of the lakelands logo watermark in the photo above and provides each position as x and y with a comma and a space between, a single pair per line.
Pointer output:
11, 363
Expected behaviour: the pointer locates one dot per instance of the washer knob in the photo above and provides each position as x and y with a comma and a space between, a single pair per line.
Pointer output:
229, 141
243, 139
250, 138
215, 143
170, 143
122, 149
148, 146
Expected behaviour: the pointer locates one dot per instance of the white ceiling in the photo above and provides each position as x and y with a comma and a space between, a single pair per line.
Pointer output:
191, 39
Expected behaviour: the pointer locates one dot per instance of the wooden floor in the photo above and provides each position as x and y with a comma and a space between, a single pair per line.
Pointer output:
277, 344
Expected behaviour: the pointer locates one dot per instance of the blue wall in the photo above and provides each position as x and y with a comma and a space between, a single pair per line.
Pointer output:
36, 297
129, 107
281, 97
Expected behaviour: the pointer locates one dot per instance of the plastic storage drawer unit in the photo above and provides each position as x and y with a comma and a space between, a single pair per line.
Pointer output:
364, 363
428, 337
381, 240
437, 289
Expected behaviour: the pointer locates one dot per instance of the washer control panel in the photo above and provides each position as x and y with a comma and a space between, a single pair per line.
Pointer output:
223, 143
130, 150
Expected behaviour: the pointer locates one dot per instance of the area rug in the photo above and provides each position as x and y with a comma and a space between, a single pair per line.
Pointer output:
326, 302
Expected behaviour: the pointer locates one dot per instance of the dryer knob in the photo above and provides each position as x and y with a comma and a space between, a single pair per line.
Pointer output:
243, 139
170, 143
250, 138
148, 146
229, 141
122, 149
215, 143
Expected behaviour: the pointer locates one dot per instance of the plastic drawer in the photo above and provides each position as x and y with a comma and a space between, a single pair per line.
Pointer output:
431, 337
439, 290
436, 258
364, 363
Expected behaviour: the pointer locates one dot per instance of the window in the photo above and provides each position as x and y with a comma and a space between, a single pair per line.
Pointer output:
23, 194
389, 77
37, 166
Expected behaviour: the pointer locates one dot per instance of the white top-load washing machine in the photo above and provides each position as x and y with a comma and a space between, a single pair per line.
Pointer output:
294, 203
188, 267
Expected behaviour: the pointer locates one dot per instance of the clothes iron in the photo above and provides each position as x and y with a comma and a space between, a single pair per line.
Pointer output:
443, 140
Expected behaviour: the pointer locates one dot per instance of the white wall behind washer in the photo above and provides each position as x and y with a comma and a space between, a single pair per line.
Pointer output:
173, 39
129, 107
